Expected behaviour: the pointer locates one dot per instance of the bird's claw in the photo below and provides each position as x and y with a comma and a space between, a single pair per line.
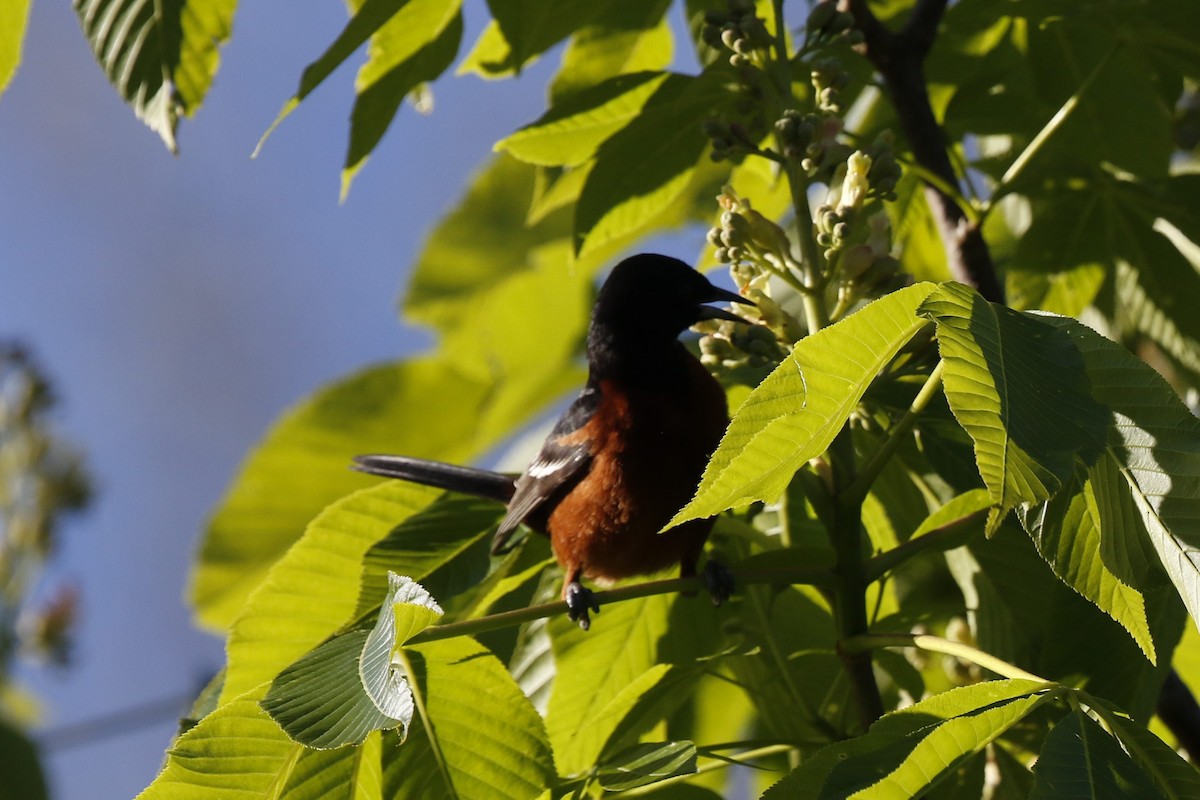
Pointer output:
580, 600
718, 580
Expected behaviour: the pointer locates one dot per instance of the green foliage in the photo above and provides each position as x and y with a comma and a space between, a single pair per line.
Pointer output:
13, 18
375, 649
19, 764
161, 57
794, 414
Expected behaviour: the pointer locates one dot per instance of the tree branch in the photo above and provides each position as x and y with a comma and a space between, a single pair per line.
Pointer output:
783, 576
899, 58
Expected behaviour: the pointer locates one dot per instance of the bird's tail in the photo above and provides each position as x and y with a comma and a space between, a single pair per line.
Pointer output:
468, 480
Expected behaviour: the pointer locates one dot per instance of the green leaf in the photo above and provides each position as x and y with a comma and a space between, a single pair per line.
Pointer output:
483, 244
630, 37
1024, 614
1080, 760
1069, 531
13, 18
571, 131
910, 750
1155, 441
444, 546
369, 16
19, 763
1019, 388
647, 763
792, 675
1136, 235
161, 57
236, 751
805, 782
922, 744
312, 592
1123, 116
409, 608
349, 686
302, 464
634, 710
488, 741
609, 37
796, 412
1175, 778
521, 30
320, 701
647, 165
348, 773
594, 669
414, 47
556, 188
960, 506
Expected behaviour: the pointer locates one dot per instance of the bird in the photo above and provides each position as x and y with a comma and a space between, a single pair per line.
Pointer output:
627, 453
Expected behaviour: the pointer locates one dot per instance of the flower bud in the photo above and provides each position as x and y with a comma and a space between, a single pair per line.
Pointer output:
855, 261
855, 185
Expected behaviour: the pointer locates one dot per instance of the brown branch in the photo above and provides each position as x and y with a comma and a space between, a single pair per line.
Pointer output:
900, 57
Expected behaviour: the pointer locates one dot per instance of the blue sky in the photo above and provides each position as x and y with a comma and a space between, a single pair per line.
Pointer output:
180, 304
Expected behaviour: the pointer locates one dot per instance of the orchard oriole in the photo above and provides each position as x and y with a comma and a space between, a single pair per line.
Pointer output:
628, 452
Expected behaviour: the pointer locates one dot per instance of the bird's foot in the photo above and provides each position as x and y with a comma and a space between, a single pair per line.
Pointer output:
580, 600
718, 580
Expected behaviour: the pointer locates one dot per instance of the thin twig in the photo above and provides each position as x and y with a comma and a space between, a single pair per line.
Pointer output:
936, 644
519, 616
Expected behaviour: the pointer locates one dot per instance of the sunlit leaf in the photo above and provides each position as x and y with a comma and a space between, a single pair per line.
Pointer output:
370, 16
319, 701
1021, 612
13, 18
312, 591
1019, 388
1155, 441
347, 687
161, 57
570, 132
646, 166
236, 751
521, 30
348, 773
489, 740
414, 47
644, 764
910, 750
484, 243
444, 546
796, 412
1069, 531
630, 37
940, 750
593, 669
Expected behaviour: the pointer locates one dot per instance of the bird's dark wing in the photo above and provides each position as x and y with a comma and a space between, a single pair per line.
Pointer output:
563, 457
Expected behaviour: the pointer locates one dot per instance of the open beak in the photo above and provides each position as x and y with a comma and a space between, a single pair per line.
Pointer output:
708, 312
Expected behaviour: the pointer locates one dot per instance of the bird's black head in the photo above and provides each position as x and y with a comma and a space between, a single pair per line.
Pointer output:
648, 300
